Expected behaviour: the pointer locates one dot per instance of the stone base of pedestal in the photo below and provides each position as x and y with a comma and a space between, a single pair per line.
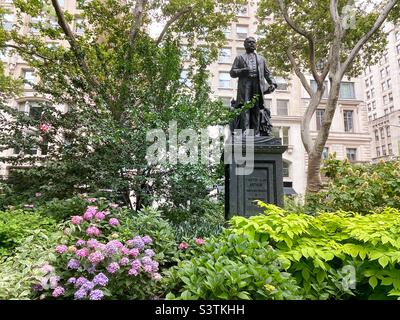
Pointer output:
265, 183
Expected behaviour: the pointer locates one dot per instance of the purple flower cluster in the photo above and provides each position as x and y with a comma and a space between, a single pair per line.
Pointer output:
104, 262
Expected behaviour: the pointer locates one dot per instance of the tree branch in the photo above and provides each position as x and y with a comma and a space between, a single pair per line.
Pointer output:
311, 42
172, 20
79, 55
138, 13
21, 49
298, 72
378, 23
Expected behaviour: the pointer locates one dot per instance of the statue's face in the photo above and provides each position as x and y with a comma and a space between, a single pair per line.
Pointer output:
250, 44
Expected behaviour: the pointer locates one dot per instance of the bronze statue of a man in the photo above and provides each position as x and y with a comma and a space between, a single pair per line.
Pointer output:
254, 80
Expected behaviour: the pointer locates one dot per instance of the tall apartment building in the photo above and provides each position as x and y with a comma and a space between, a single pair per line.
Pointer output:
349, 136
381, 88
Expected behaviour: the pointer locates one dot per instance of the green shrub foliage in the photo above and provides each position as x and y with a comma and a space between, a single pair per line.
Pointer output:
333, 255
17, 225
358, 188
232, 267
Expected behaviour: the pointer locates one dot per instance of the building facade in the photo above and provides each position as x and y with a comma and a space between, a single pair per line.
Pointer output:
382, 96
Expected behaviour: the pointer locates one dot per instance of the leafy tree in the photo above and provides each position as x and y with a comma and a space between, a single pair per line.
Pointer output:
329, 40
117, 83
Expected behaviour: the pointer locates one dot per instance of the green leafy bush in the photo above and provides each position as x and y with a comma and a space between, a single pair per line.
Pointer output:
19, 271
205, 221
16, 225
358, 188
333, 255
232, 267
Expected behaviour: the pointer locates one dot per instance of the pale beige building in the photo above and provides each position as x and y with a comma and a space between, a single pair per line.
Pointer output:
381, 93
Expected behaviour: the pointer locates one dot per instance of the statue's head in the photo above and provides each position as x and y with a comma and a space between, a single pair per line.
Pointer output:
250, 44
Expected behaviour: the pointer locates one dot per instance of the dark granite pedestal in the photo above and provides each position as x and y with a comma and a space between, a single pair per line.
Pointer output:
265, 183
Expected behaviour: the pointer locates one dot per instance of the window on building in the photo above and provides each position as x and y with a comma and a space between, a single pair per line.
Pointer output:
385, 99
185, 78
382, 72
376, 135
242, 31
282, 107
397, 35
370, 118
351, 154
347, 90
382, 133
388, 134
386, 111
369, 106
367, 82
285, 135
373, 105
325, 153
285, 169
371, 80
390, 97
320, 117
372, 93
226, 101
31, 108
242, 11
384, 150
378, 151
348, 120
8, 21
391, 109
313, 84
227, 32
268, 103
385, 57
79, 27
398, 49
276, 132
282, 84
390, 149
389, 83
368, 95
240, 51
374, 115
384, 86
225, 55
61, 3
28, 78
224, 80
387, 71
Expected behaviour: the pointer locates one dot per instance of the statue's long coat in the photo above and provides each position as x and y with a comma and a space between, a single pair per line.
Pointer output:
265, 78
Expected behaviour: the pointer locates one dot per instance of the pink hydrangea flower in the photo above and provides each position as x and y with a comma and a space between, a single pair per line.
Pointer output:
91, 200
100, 216
113, 222
92, 243
59, 291
96, 257
125, 250
61, 249
113, 267
134, 252
82, 253
183, 246
93, 231
118, 244
124, 261
133, 272
146, 239
76, 220
47, 268
80, 243
200, 241
44, 127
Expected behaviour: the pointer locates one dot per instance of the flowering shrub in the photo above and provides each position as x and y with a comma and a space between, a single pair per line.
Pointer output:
93, 262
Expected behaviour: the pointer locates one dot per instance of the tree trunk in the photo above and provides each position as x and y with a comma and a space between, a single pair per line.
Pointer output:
314, 182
